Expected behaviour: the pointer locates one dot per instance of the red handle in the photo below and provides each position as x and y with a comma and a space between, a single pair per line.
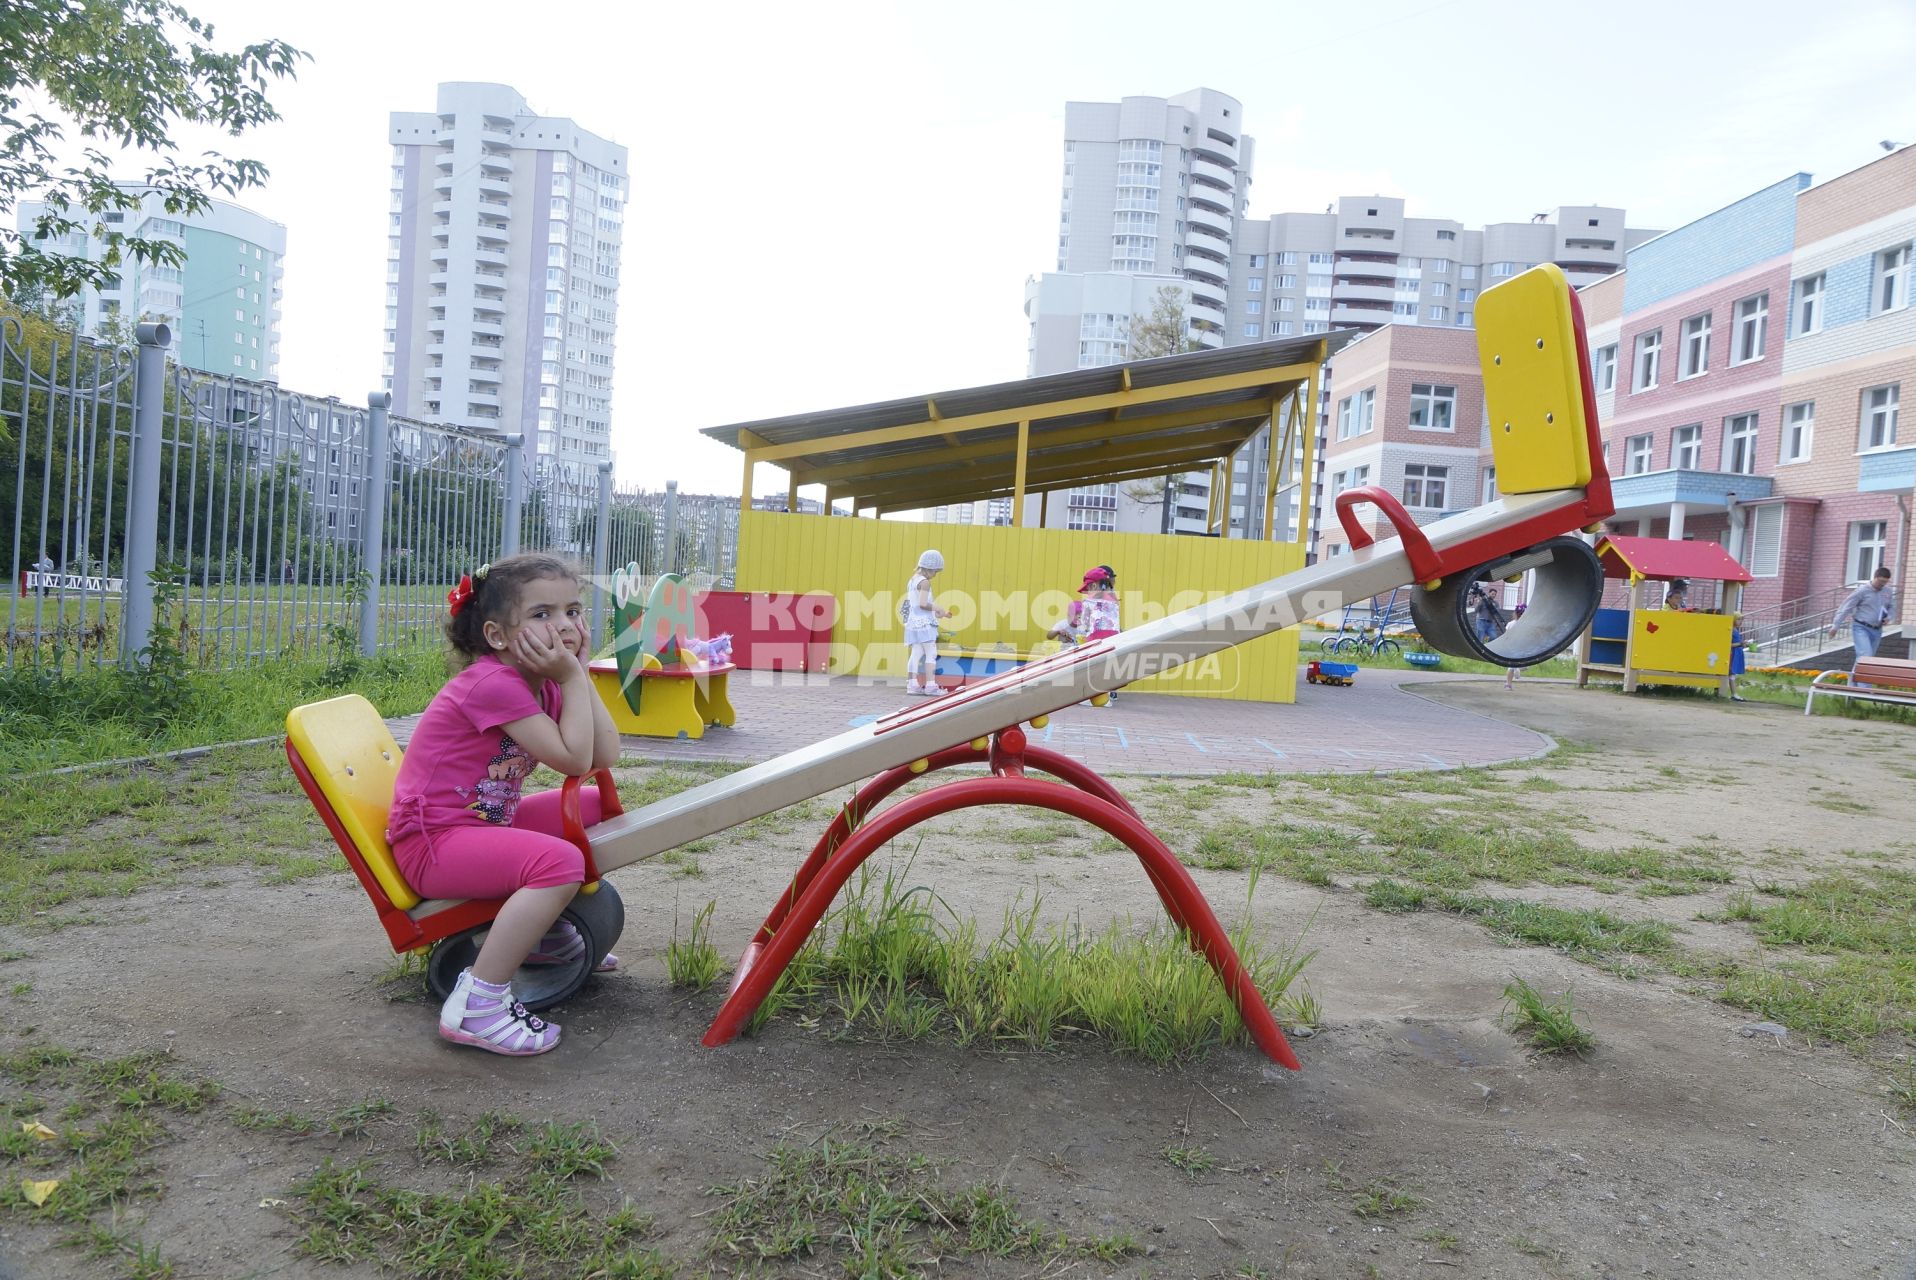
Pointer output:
1423, 560
572, 815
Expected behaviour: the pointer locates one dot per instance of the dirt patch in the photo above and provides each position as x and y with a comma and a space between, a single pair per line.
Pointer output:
1680, 1147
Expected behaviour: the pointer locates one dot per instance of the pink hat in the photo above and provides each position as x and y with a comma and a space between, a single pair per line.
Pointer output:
1095, 576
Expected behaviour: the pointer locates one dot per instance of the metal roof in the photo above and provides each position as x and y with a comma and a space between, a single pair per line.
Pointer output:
1661, 559
1089, 426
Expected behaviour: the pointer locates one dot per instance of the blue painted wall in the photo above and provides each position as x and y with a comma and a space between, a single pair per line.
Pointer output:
1758, 227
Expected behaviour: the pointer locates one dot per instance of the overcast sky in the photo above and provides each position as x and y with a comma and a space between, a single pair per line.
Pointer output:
838, 203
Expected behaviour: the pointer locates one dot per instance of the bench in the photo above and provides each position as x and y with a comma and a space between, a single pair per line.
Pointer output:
676, 700
346, 761
1891, 680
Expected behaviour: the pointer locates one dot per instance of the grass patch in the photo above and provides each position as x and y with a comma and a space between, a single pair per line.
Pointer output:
1192, 1160
1549, 1025
893, 961
877, 1214
48, 721
694, 963
114, 831
1389, 895
1585, 934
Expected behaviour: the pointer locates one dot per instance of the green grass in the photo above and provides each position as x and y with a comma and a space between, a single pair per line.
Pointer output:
105, 833
694, 963
1549, 1025
46, 721
835, 1208
892, 961
1191, 1160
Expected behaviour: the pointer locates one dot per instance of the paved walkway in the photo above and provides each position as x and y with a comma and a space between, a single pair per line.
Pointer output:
1378, 723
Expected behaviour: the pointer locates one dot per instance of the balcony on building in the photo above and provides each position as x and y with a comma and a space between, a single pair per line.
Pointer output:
1199, 218
1365, 266
489, 256
1369, 315
499, 125
1215, 270
1650, 494
490, 185
1215, 198
493, 232
1383, 291
495, 159
1206, 299
1216, 146
1887, 470
487, 329
1222, 174
444, 160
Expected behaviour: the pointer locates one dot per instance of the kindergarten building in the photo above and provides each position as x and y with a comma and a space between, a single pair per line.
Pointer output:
1750, 369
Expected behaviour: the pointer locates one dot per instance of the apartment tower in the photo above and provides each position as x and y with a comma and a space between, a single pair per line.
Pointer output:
502, 272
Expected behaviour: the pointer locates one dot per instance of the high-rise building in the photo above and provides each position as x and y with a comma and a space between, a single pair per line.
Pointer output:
502, 273
222, 303
1152, 187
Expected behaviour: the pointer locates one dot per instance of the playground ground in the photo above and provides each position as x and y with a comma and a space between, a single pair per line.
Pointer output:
1423, 1137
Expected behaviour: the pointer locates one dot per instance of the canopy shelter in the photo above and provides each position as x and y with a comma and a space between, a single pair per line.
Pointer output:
1660, 560
1146, 418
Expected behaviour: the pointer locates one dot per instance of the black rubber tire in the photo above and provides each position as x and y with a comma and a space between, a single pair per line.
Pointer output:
599, 917
1388, 647
1568, 588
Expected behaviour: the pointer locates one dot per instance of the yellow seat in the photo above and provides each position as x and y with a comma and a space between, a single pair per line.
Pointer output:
352, 757
1528, 343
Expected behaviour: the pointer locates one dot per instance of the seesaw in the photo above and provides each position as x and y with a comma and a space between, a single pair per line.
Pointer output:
1544, 436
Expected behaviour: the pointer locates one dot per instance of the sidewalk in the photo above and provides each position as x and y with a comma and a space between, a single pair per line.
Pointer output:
1378, 723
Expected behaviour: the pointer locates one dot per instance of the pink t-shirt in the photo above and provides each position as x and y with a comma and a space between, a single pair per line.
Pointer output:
461, 768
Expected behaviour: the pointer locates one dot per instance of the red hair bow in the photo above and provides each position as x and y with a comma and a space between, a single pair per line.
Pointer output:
457, 597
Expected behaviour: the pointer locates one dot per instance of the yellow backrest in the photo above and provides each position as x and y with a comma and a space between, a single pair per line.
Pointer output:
354, 759
1533, 383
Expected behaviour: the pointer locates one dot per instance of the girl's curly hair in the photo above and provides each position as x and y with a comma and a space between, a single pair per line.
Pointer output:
496, 589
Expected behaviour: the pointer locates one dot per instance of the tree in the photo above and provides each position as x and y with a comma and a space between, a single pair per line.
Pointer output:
1164, 332
124, 74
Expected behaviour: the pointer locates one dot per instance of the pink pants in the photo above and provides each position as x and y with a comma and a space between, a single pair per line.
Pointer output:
485, 861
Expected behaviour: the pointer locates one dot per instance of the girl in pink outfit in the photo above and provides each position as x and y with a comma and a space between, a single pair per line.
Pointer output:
459, 827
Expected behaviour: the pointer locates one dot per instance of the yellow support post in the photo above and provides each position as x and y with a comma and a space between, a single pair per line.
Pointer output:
791, 494
1307, 469
1270, 471
1018, 474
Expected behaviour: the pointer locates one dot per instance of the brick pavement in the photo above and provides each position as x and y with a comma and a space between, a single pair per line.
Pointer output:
1378, 723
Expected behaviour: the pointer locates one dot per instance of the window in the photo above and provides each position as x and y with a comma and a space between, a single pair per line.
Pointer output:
1287, 259
1439, 266
1766, 540
1252, 330
1696, 347
1286, 304
1253, 307
1257, 260
1255, 284
1752, 329
1503, 268
1424, 485
1439, 289
1469, 271
1867, 538
1287, 282
1439, 314
1686, 447
1490, 484
1799, 424
1636, 455
1809, 305
1463, 318
1607, 368
1466, 295
1319, 260
1892, 279
1446, 235
1345, 421
1360, 476
1432, 407
1739, 444
1879, 416
1281, 328
1366, 409
1649, 359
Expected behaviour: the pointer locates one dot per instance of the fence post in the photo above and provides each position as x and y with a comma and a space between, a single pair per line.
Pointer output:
372, 530
143, 491
515, 494
669, 561
602, 553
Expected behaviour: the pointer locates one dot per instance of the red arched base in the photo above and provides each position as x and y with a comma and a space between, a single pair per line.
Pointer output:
851, 839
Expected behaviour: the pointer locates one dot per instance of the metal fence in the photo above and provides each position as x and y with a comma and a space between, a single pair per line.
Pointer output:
240, 522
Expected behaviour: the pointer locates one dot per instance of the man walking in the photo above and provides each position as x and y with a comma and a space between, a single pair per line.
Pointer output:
1868, 608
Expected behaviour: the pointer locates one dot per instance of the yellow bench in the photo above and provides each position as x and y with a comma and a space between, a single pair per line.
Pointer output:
675, 701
